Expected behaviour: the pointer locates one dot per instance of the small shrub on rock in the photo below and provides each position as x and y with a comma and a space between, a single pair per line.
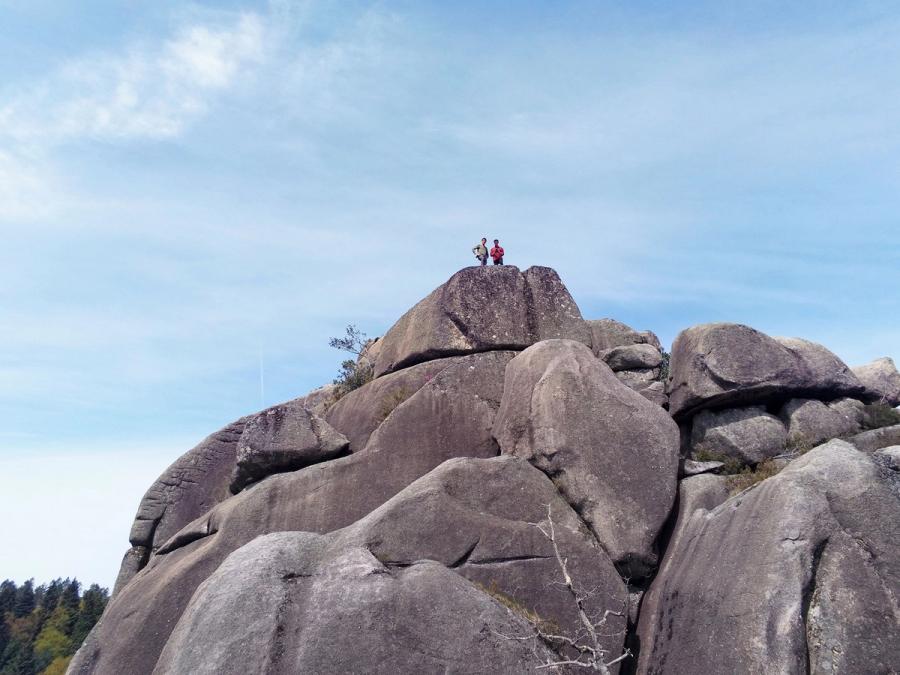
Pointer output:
730, 465
751, 476
354, 373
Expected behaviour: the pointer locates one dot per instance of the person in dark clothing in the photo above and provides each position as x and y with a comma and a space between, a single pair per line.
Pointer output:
497, 252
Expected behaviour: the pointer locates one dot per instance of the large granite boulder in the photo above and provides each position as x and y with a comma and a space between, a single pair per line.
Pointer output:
472, 516
357, 414
481, 309
289, 603
748, 435
608, 333
723, 364
612, 453
809, 422
285, 437
881, 380
799, 573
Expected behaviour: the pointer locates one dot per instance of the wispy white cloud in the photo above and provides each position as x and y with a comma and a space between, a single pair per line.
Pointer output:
145, 92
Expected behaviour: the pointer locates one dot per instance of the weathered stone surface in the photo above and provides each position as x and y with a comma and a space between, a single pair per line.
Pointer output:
692, 468
193, 484
874, 439
453, 414
638, 379
286, 602
719, 364
357, 414
470, 515
285, 437
632, 357
881, 380
609, 333
612, 453
655, 392
319, 400
132, 562
890, 457
746, 434
481, 309
799, 573
809, 422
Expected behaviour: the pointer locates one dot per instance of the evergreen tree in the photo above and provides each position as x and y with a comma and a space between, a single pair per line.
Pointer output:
92, 605
8, 591
25, 603
18, 659
4, 636
52, 594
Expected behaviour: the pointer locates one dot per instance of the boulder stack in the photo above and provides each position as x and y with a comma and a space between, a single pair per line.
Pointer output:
503, 496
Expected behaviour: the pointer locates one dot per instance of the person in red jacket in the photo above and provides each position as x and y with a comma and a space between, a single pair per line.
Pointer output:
497, 252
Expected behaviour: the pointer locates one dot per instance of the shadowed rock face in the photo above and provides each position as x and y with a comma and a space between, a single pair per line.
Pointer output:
881, 380
284, 437
799, 573
613, 453
481, 309
719, 364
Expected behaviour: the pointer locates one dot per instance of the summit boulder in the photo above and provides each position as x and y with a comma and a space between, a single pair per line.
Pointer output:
482, 309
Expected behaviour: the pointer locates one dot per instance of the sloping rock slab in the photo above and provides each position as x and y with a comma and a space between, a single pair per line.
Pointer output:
612, 453
726, 364
284, 437
288, 603
480, 309
357, 414
799, 573
746, 434
881, 380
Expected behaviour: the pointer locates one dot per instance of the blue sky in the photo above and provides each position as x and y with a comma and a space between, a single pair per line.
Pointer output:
189, 189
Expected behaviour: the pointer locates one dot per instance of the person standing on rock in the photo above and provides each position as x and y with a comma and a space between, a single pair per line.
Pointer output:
481, 252
497, 252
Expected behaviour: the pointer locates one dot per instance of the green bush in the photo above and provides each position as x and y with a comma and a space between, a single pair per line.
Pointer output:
730, 464
356, 372
751, 476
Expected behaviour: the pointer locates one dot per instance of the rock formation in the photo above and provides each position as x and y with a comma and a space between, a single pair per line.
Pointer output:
505, 495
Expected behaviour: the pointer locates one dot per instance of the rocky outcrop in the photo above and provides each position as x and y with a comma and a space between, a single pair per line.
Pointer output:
810, 422
284, 437
613, 454
748, 435
881, 381
472, 516
425, 548
723, 364
291, 604
481, 309
800, 573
